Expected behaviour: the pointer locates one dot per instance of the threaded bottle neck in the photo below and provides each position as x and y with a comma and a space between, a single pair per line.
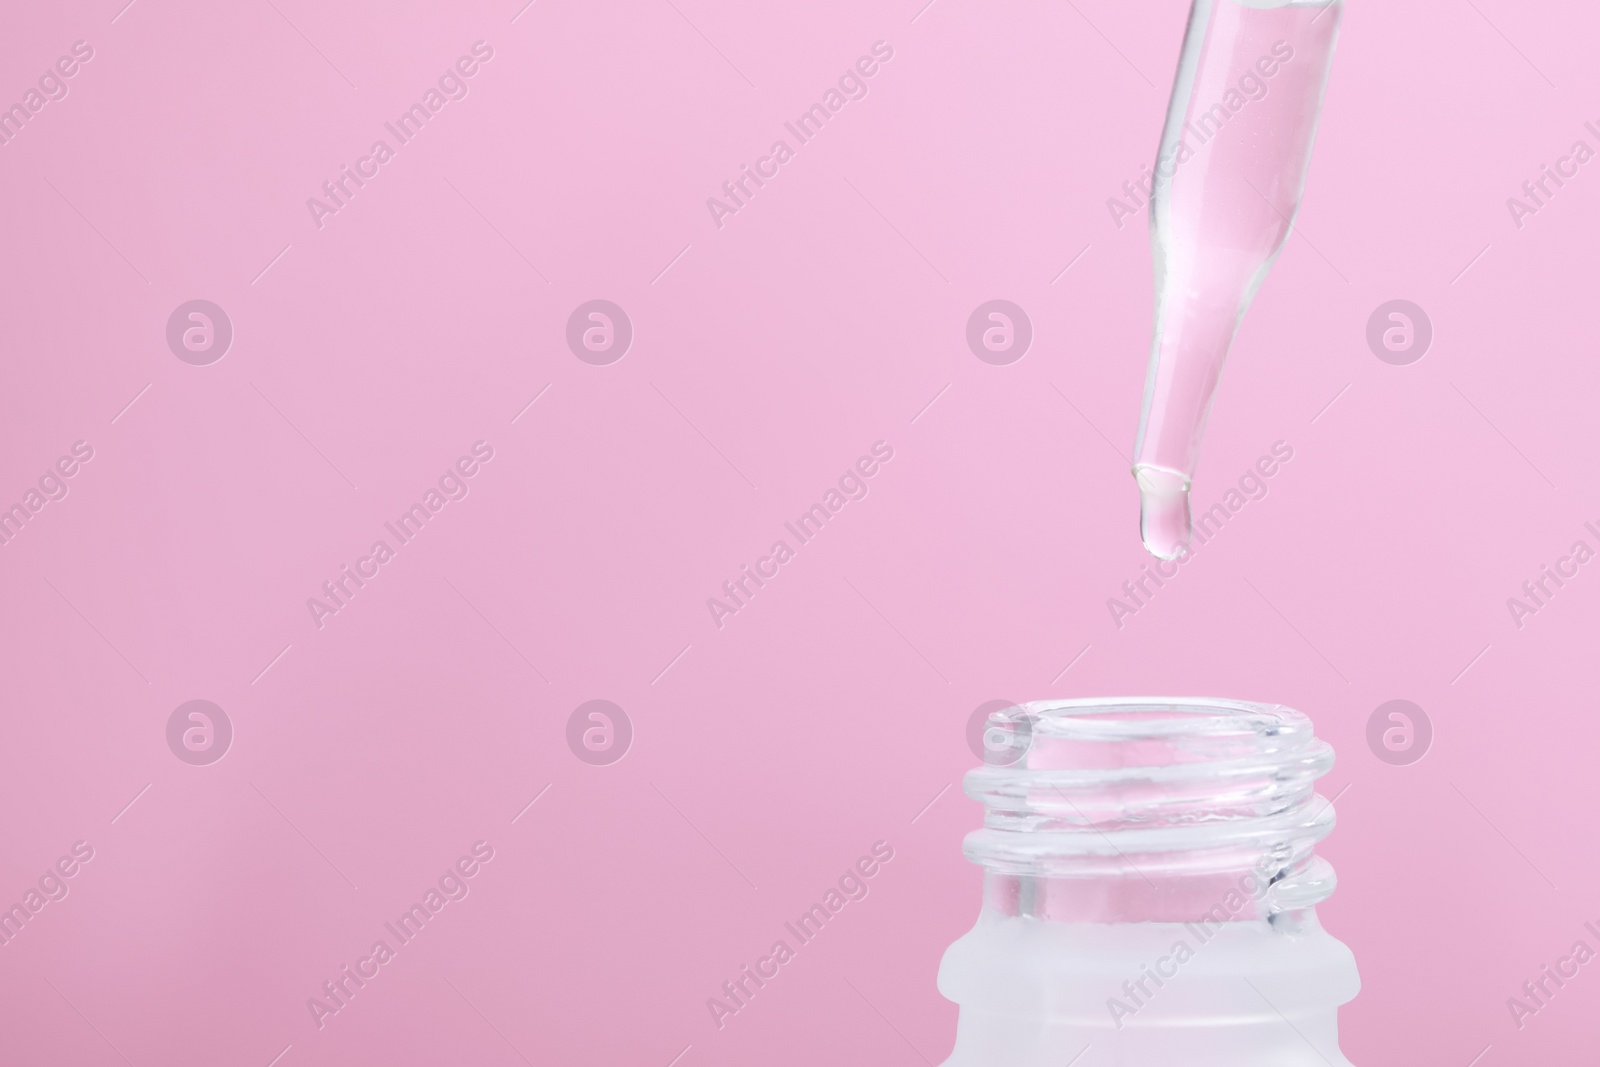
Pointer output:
1151, 810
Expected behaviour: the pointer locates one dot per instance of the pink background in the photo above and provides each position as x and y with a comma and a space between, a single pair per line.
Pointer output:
826, 315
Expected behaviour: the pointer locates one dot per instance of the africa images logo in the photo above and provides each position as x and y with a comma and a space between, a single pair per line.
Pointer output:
450, 887
852, 85
451, 85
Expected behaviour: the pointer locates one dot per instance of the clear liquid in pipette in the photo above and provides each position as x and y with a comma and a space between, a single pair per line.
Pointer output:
1164, 524
1222, 207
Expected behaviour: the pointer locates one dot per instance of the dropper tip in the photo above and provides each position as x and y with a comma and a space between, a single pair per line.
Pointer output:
1163, 511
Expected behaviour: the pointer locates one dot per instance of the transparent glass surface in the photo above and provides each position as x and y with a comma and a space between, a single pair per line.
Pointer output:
1150, 886
1228, 177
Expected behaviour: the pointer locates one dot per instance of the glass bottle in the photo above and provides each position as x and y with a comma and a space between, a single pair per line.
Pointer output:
1149, 891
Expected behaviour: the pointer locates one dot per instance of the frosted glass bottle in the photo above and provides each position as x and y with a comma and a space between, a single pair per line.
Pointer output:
1149, 891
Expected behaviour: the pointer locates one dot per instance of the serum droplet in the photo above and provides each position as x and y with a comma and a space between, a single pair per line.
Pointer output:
1163, 511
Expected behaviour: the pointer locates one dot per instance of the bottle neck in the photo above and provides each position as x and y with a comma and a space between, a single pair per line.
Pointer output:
1127, 811
1243, 896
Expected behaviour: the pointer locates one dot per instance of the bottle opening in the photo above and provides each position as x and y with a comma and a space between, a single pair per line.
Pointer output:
1151, 809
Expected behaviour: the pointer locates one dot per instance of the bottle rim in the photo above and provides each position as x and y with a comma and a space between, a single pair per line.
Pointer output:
1154, 788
